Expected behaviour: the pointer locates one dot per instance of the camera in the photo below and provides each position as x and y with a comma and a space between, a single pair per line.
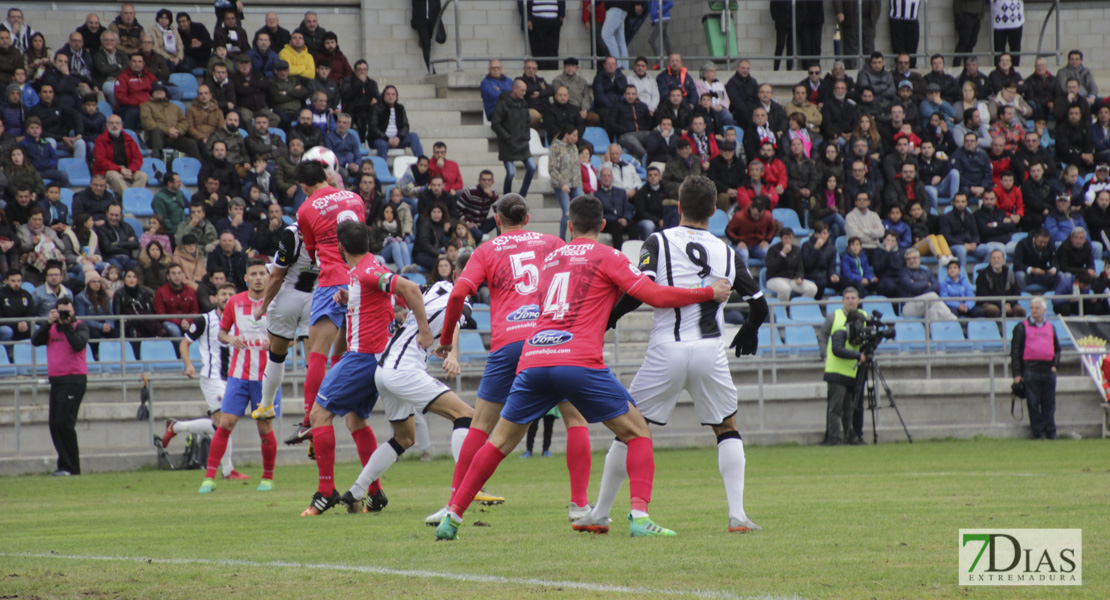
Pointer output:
868, 333
64, 315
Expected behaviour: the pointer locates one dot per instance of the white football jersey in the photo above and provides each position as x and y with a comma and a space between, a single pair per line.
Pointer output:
686, 257
301, 272
403, 351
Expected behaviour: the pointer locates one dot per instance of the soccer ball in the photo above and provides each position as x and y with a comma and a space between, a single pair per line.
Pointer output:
329, 160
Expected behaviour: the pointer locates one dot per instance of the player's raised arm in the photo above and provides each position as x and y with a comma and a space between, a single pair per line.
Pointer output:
411, 293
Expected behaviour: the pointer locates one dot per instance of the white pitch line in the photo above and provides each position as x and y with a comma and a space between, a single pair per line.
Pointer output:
463, 577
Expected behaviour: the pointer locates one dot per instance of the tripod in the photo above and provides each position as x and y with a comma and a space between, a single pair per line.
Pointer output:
868, 373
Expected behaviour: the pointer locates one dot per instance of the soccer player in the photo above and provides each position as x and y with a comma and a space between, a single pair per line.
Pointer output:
215, 359
406, 387
317, 219
509, 264
249, 341
681, 344
579, 283
288, 304
349, 390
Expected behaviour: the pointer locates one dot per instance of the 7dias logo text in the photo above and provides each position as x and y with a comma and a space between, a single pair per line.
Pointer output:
1021, 557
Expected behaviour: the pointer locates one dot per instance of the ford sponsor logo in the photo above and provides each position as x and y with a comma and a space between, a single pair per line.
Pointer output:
551, 337
529, 312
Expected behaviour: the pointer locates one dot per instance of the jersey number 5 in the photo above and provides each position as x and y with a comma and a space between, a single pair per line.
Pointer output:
556, 301
529, 273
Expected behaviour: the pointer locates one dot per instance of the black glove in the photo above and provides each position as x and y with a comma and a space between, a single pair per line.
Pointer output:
746, 341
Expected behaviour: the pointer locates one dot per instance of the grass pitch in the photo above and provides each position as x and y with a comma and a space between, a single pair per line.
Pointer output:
846, 522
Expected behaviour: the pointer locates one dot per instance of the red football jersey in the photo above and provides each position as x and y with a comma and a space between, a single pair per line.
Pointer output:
509, 264
369, 306
238, 319
318, 218
579, 284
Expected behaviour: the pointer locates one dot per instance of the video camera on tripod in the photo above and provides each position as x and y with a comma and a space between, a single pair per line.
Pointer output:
868, 333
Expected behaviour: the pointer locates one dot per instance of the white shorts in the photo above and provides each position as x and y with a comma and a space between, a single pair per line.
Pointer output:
289, 313
671, 367
407, 391
213, 390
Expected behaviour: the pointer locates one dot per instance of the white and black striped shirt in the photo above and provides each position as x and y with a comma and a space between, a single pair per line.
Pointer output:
546, 9
690, 258
205, 332
403, 351
301, 272
904, 10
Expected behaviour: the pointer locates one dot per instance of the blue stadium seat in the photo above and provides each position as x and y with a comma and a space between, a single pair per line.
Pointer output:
598, 138
1008, 328
1061, 334
138, 141
764, 335
159, 356
179, 103
635, 162
90, 363
801, 312
841, 246
243, 132
480, 314
595, 162
910, 336
6, 368
281, 134
28, 287
984, 335
779, 310
25, 354
138, 202
187, 83
150, 165
67, 200
77, 170
381, 169
471, 347
416, 278
880, 303
194, 352
187, 168
110, 356
802, 340
104, 108
135, 224
948, 336
718, 222
789, 218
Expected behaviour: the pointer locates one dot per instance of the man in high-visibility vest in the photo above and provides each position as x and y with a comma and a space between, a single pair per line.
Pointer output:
1034, 357
842, 359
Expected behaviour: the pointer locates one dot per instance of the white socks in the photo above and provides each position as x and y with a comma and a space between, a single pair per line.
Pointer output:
225, 463
458, 436
195, 426
612, 477
731, 461
271, 382
379, 461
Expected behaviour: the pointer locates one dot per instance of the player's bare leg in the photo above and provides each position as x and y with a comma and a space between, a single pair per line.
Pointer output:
579, 460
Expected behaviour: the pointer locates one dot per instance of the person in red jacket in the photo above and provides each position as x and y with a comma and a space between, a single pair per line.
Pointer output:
755, 187
117, 157
774, 170
703, 142
133, 87
447, 169
176, 298
1009, 196
340, 66
752, 229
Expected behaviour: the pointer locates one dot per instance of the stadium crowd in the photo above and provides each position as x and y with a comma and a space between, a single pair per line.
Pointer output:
847, 182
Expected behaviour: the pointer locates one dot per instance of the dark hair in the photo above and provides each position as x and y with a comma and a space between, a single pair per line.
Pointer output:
586, 214
184, 14
697, 197
936, 56
853, 240
352, 237
461, 260
257, 262
167, 178
1041, 232
820, 226
513, 209
227, 285
565, 131
439, 145
331, 35
164, 13
485, 172
867, 88
786, 231
876, 54
64, 300
650, 169
1078, 52
683, 143
310, 172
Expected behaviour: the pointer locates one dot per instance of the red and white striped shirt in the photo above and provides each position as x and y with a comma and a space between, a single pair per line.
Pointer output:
370, 306
238, 319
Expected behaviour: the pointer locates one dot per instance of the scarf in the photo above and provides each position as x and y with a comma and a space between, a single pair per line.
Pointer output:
390, 227
807, 141
702, 143
168, 39
830, 198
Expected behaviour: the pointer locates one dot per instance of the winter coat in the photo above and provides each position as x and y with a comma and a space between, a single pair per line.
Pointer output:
989, 283
164, 115
511, 123
103, 154
854, 269
133, 90
202, 120
955, 289
819, 263
788, 266
192, 264
564, 165
992, 226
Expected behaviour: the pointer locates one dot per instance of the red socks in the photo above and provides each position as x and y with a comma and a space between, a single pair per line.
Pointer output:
475, 438
366, 444
323, 441
313, 377
481, 469
269, 455
578, 463
641, 472
216, 451
335, 360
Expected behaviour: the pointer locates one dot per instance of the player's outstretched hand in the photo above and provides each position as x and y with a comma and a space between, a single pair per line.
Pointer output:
746, 341
722, 289
442, 350
451, 368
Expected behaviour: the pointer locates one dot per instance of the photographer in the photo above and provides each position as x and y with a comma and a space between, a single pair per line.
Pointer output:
65, 339
1034, 357
842, 359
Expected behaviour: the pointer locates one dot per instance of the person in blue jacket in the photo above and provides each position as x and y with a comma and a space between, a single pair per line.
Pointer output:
955, 284
855, 269
893, 222
493, 85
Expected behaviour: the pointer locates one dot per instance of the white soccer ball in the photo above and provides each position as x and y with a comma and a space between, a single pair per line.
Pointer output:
329, 160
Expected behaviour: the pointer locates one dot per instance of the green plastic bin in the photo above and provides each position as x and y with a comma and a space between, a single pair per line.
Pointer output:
715, 38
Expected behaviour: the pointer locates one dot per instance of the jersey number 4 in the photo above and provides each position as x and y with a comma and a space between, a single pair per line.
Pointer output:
556, 302
530, 274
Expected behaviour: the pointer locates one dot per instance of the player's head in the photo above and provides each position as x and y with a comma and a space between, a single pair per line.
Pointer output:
460, 262
697, 199
512, 211
257, 274
310, 174
586, 215
224, 293
353, 239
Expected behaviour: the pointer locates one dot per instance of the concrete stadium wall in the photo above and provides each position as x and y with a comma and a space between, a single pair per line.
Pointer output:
492, 28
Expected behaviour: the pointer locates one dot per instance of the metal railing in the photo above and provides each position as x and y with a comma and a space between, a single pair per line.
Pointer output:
728, 25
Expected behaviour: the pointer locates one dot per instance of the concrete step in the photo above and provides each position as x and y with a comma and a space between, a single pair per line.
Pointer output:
460, 104
413, 91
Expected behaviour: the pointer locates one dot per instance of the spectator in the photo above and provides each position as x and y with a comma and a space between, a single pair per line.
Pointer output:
997, 224
118, 242
263, 58
267, 231
134, 299
1008, 129
850, 15
220, 57
630, 120
972, 74
1035, 262
625, 175
435, 194
618, 210
757, 185
919, 283
819, 260
218, 167
1070, 184
1074, 145
975, 122
403, 212
887, 263
223, 90
956, 285
801, 179
133, 88
190, 258
676, 77
933, 103
19, 212
1100, 182
127, 29
9, 246
609, 85
905, 189
538, 94
322, 84
432, 231
250, 88
974, 167
445, 168
206, 290
1097, 216
827, 205
93, 123
339, 68
157, 66
589, 175
752, 228
678, 111
704, 144
580, 94
279, 36
493, 85
1034, 358
1008, 97
838, 115
196, 41
233, 37
1037, 196
561, 113
52, 290
855, 268
1061, 222
647, 88
65, 339
204, 117
94, 200
314, 34
1081, 73
153, 266
200, 228
939, 178
15, 303
175, 298
998, 280
728, 173
566, 176
306, 130
649, 205
165, 125
785, 269
261, 142
170, 202
235, 223
742, 90
678, 168
69, 86
876, 77
156, 232
510, 124
662, 142
229, 258
57, 121
894, 224
864, 224
389, 128
38, 245
167, 40
40, 154
91, 31
800, 104
782, 14
386, 240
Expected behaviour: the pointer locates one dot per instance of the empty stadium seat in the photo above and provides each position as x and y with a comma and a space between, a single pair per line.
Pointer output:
802, 340
67, 200
598, 138
985, 335
948, 336
801, 311
104, 108
471, 346
281, 134
480, 314
535, 144
910, 336
139, 141
789, 218
185, 82
160, 356
779, 310
135, 224
150, 165
718, 222
400, 165
29, 360
880, 303
110, 356
187, 168
77, 170
381, 169
138, 202
6, 368
179, 104
766, 346
1062, 334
